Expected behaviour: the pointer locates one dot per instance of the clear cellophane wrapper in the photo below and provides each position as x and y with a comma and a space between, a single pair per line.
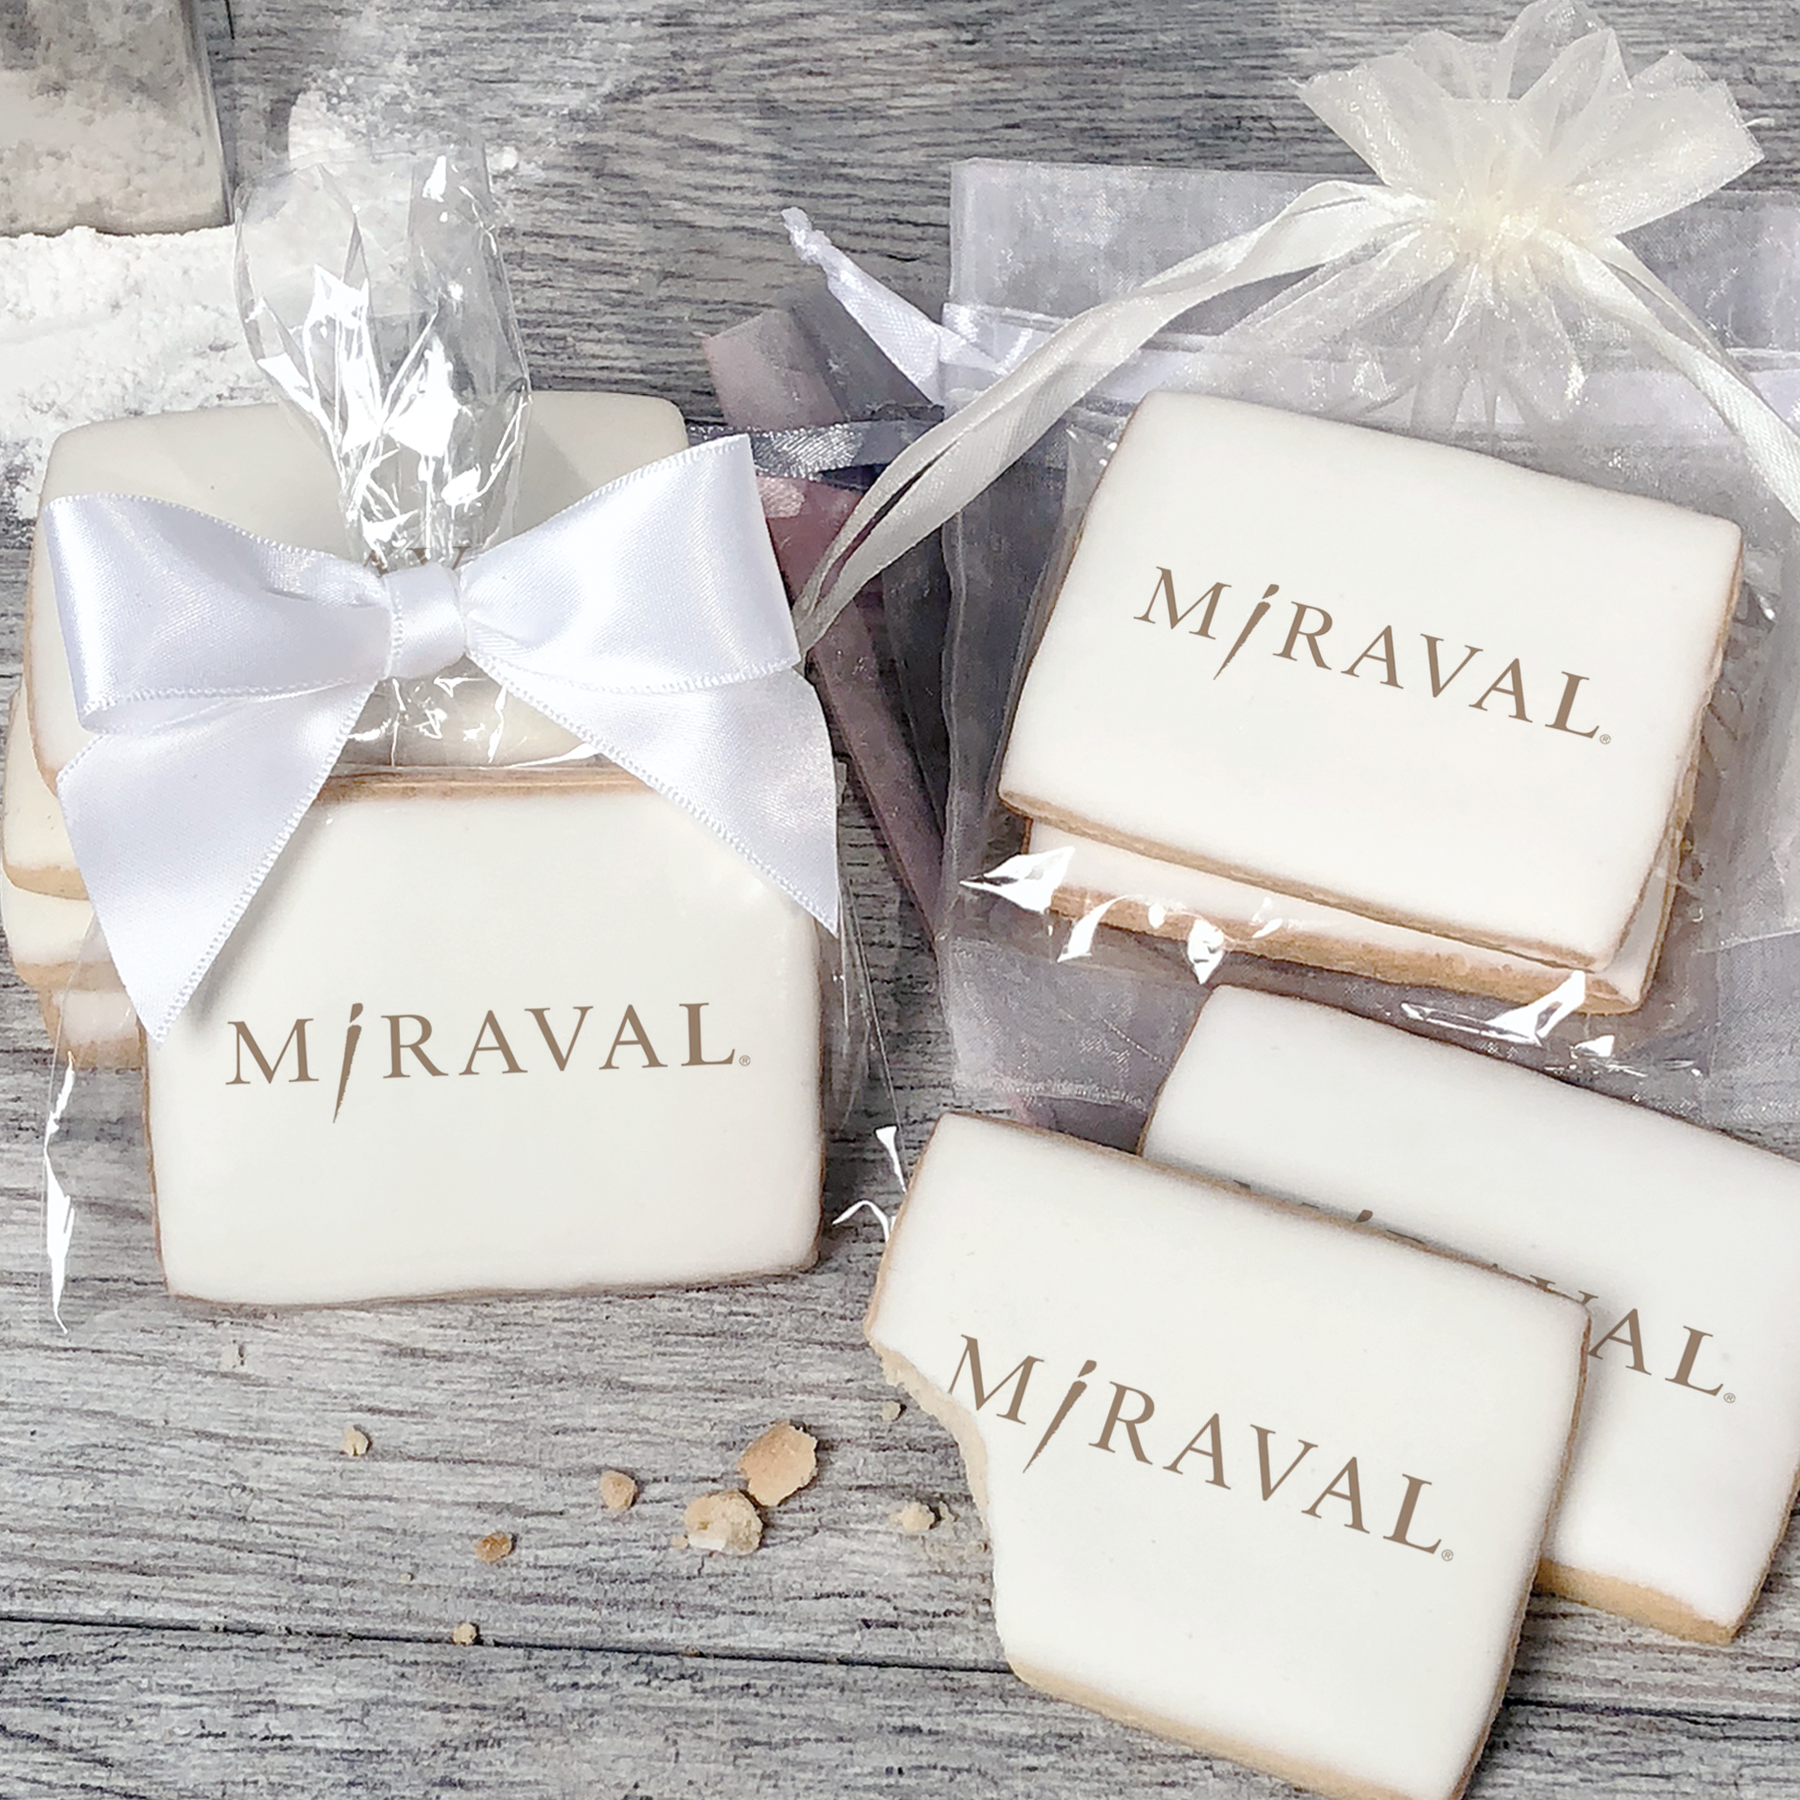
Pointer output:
375, 299
1072, 1021
402, 354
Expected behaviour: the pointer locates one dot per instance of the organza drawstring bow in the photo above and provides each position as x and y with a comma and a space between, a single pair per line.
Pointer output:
648, 620
1507, 173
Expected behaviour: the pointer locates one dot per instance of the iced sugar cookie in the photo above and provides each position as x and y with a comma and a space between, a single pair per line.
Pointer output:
1165, 899
501, 1033
1684, 1245
96, 1028
1253, 1479
49, 940
1379, 673
34, 843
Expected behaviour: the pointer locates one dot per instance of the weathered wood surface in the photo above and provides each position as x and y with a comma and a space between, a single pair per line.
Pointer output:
198, 1593
119, 1715
127, 1714
657, 142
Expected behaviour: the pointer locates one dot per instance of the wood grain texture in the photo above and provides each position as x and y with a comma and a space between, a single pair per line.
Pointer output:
134, 1715
657, 140
199, 1594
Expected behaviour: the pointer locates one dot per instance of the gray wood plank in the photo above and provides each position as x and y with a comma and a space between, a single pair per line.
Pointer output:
657, 143
151, 1716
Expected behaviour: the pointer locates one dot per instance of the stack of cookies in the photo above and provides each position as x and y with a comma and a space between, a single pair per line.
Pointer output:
1275, 1426
1374, 704
56, 947
484, 1027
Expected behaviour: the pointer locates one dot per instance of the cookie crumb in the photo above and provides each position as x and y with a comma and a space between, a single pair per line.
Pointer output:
465, 1634
617, 1490
915, 1518
678, 1542
891, 1412
780, 1463
355, 1441
231, 1357
723, 1521
497, 1546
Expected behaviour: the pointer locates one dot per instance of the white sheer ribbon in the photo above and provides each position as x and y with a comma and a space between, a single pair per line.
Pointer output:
649, 620
1507, 172
915, 344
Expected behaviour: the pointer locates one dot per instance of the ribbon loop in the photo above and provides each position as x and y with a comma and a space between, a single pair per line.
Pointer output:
429, 634
252, 617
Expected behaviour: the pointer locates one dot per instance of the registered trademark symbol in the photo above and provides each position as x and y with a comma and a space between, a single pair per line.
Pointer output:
1729, 1399
1606, 737
1448, 1555
743, 1062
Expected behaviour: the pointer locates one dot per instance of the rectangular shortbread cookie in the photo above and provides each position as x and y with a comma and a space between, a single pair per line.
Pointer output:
554, 1036
1164, 899
49, 940
1379, 673
1255, 1480
34, 843
96, 1028
1684, 1245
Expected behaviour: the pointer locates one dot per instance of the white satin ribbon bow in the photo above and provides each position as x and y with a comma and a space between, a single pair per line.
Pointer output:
223, 673
1506, 173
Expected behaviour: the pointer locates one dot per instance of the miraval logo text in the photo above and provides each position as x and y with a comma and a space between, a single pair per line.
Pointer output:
531, 1040
1258, 1462
1294, 631
1629, 1336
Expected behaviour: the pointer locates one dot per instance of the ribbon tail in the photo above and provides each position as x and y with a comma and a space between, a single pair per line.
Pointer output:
1321, 308
936, 477
174, 831
751, 760
911, 340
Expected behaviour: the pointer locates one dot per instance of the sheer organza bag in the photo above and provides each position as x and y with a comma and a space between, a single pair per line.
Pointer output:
1544, 274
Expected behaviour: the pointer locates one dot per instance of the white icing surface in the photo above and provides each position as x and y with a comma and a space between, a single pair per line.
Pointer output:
1217, 1613
98, 1027
257, 468
45, 937
1449, 814
34, 844
1671, 1488
445, 905
1263, 923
